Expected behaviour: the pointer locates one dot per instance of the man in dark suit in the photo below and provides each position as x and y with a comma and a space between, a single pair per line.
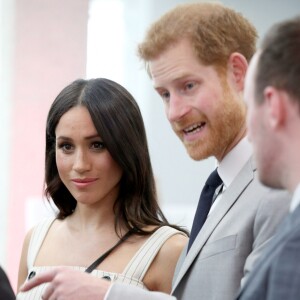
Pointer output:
273, 96
6, 291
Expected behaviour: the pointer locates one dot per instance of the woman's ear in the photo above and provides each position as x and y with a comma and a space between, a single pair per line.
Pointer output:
237, 68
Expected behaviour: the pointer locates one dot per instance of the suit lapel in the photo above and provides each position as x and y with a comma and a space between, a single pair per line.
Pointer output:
291, 222
229, 197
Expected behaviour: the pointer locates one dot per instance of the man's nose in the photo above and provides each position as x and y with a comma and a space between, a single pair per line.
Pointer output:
176, 108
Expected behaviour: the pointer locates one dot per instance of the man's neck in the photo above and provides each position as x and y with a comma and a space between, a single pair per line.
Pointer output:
241, 134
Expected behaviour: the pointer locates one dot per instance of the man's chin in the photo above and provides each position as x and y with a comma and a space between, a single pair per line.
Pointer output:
267, 181
197, 155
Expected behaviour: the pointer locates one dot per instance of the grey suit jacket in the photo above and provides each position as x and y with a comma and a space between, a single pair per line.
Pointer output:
277, 273
230, 241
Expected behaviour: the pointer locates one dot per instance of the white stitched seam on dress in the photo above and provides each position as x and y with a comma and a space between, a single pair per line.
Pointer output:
132, 266
138, 265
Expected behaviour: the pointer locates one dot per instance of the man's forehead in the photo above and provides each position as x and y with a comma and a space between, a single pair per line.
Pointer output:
174, 57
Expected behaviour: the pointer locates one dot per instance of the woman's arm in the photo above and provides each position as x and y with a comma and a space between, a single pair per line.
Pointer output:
160, 274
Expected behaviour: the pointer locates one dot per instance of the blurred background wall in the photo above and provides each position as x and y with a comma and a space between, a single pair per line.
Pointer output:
44, 45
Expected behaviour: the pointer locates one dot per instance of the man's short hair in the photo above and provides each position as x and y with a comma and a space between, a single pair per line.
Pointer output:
214, 31
279, 60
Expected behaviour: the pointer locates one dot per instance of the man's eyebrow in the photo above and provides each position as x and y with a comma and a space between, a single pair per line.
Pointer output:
179, 77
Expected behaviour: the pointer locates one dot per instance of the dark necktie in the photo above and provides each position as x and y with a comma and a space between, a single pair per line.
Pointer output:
204, 204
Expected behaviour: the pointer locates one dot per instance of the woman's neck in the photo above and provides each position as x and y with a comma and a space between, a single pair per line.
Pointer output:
88, 218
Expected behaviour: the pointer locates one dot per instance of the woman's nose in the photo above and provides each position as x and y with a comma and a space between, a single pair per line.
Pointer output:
81, 162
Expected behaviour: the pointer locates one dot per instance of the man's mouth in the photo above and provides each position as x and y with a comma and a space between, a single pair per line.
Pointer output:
194, 128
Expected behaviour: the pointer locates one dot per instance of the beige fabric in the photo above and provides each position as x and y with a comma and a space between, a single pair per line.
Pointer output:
133, 273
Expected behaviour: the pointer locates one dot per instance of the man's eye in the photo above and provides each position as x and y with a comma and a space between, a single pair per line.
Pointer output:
189, 85
165, 95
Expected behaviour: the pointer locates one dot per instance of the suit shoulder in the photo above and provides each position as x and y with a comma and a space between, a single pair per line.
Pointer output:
265, 194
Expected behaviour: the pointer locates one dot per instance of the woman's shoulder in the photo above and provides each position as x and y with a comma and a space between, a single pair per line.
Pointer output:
162, 269
175, 242
169, 241
172, 247
42, 227
169, 236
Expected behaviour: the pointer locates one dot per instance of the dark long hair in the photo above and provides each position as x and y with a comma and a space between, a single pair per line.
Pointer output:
118, 120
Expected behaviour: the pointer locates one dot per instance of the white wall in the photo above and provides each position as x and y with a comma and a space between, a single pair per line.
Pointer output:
6, 48
264, 13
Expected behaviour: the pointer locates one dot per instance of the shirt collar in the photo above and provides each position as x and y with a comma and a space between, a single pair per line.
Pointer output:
234, 161
296, 199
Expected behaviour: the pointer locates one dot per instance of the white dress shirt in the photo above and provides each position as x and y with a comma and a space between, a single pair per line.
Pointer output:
231, 165
296, 199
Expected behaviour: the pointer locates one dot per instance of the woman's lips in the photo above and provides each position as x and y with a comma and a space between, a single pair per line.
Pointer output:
83, 182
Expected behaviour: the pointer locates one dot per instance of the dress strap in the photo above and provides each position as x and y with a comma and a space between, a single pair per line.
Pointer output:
38, 235
140, 263
100, 259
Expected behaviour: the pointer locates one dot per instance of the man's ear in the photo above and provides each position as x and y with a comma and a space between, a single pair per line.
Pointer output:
237, 68
276, 106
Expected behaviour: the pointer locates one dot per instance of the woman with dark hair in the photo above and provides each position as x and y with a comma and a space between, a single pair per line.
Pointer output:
99, 175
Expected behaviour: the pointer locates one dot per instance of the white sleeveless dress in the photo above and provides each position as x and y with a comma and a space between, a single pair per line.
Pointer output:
134, 271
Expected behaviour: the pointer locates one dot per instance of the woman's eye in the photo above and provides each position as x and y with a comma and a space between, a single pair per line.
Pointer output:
65, 147
98, 145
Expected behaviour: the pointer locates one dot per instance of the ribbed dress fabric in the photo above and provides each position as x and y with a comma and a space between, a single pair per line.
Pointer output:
133, 273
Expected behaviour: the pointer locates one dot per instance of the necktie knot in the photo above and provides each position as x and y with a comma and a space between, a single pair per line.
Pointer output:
214, 180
